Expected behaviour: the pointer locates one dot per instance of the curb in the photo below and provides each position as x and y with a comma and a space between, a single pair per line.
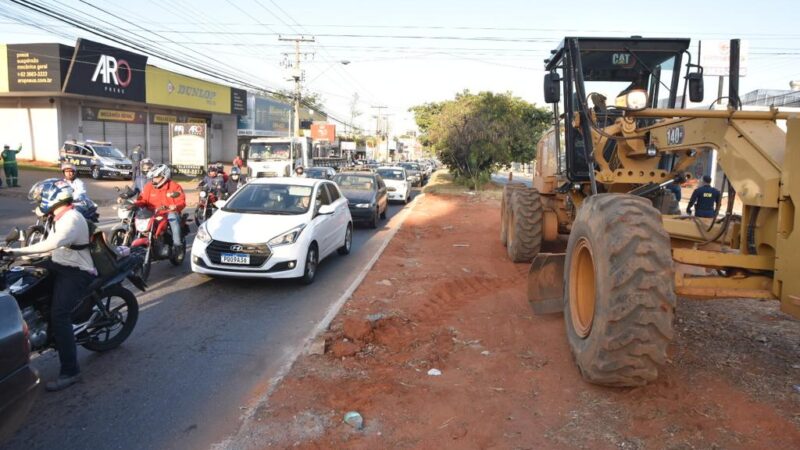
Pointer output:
334, 309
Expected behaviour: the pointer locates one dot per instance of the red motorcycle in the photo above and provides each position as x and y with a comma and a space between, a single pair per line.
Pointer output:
205, 206
154, 233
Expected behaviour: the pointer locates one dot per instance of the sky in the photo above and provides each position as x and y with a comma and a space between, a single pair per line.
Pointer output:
404, 53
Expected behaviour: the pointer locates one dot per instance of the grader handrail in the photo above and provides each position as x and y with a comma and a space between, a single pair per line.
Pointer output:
665, 113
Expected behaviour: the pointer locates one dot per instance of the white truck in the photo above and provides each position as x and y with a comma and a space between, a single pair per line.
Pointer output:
278, 156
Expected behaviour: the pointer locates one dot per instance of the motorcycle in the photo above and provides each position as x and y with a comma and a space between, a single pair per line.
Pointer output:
104, 317
124, 232
206, 206
41, 228
154, 235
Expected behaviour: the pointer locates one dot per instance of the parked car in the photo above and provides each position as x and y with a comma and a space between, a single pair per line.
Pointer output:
96, 158
18, 381
397, 183
274, 228
366, 195
413, 173
321, 173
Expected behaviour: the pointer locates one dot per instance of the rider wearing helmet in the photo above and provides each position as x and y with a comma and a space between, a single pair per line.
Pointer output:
145, 166
162, 193
235, 181
299, 172
213, 181
71, 177
71, 265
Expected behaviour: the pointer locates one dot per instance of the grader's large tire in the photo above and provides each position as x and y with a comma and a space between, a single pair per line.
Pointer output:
619, 297
504, 202
525, 220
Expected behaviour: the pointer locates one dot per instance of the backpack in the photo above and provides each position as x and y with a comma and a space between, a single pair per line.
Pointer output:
103, 256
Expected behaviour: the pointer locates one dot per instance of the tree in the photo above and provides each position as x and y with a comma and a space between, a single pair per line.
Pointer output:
476, 134
309, 99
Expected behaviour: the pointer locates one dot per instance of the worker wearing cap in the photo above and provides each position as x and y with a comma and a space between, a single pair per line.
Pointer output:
707, 199
10, 165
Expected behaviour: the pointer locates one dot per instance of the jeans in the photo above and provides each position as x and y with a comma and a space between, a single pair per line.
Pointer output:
69, 288
175, 225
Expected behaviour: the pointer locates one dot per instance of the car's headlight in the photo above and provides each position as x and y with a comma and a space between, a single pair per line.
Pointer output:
203, 234
633, 100
362, 205
287, 238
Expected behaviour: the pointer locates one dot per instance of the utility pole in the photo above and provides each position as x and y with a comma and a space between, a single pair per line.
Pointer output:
297, 74
378, 124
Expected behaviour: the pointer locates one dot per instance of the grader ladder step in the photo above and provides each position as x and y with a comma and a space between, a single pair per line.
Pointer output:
546, 283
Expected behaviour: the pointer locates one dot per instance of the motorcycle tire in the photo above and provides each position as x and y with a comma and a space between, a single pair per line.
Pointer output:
131, 305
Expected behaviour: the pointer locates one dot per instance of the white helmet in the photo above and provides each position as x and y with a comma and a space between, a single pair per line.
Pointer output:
161, 170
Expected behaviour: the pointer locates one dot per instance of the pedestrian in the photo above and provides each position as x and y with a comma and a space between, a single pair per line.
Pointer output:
237, 162
72, 267
707, 199
10, 165
136, 156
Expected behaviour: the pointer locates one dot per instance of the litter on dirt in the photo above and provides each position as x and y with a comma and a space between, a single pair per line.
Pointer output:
354, 419
460, 245
435, 372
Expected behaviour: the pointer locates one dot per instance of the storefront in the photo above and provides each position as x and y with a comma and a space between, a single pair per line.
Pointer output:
51, 93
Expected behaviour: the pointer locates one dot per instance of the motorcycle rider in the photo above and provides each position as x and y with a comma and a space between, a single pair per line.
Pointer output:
213, 181
299, 172
145, 166
72, 267
162, 193
235, 181
71, 177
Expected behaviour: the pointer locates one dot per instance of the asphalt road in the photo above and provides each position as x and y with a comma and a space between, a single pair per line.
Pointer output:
201, 350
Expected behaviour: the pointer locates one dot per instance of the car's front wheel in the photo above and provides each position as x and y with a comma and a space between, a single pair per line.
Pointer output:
96, 173
312, 260
348, 241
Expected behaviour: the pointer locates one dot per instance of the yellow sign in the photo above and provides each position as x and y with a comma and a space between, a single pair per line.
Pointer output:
3, 68
164, 118
116, 115
196, 120
171, 89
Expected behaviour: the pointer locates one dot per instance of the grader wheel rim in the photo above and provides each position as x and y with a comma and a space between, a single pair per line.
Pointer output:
582, 290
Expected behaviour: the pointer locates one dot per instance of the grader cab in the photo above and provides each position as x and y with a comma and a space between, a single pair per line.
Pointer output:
600, 183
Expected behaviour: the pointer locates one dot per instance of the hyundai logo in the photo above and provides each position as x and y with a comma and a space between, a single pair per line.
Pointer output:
236, 248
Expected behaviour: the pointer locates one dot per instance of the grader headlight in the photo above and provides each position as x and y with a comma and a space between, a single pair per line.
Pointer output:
633, 100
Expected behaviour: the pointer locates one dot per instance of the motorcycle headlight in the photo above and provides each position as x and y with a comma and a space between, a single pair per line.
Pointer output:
203, 235
634, 100
203, 194
142, 225
123, 213
287, 238
362, 205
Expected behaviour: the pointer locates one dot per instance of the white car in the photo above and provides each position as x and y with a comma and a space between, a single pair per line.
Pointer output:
274, 228
397, 183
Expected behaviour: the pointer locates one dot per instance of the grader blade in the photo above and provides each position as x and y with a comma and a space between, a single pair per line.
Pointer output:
546, 283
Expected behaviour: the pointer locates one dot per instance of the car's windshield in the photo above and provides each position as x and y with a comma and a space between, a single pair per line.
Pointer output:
408, 166
391, 174
272, 150
108, 152
355, 182
270, 199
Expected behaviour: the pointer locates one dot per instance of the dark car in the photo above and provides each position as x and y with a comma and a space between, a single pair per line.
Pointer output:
321, 173
414, 172
366, 196
18, 381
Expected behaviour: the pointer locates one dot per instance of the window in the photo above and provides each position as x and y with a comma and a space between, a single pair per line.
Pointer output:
71, 150
86, 152
333, 192
322, 195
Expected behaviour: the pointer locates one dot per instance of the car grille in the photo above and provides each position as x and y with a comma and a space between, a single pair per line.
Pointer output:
124, 166
259, 253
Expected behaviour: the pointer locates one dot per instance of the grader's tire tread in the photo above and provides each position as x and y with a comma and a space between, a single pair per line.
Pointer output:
527, 217
508, 189
633, 326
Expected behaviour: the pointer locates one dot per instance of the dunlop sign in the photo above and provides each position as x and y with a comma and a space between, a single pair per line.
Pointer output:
171, 89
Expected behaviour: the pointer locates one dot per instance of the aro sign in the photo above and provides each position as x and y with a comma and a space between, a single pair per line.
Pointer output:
99, 70
109, 69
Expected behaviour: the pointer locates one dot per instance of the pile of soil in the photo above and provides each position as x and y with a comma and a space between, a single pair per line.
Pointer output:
445, 296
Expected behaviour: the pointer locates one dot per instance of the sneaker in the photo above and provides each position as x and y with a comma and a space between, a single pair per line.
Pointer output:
62, 382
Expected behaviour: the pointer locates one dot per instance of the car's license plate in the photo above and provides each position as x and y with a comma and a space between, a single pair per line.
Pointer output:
125, 172
235, 258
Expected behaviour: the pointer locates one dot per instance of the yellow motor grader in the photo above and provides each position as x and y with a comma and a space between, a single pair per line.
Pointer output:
601, 183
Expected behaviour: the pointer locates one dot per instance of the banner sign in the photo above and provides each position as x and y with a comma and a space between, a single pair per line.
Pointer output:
715, 57
238, 101
37, 67
323, 131
171, 89
188, 147
89, 113
164, 119
104, 71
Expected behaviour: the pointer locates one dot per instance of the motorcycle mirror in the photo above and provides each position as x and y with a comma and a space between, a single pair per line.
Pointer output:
12, 235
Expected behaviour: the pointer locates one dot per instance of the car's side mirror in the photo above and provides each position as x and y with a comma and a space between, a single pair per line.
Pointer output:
325, 210
695, 80
552, 87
